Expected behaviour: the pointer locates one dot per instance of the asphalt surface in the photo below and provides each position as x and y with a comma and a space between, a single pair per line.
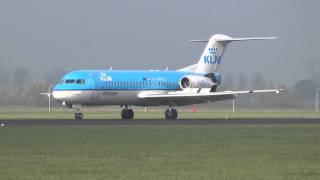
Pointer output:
262, 121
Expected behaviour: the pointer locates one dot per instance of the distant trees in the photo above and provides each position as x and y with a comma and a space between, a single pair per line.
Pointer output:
3, 75
305, 88
227, 83
242, 82
20, 76
258, 81
53, 77
300, 95
18, 87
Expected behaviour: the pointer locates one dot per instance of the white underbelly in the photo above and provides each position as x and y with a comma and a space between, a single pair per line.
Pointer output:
92, 98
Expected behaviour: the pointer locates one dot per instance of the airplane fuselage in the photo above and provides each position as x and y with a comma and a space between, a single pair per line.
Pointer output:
116, 87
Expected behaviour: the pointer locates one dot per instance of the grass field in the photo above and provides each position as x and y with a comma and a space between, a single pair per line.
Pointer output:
152, 113
160, 152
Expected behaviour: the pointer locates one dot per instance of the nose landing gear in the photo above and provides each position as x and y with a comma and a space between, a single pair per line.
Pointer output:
78, 115
127, 113
171, 113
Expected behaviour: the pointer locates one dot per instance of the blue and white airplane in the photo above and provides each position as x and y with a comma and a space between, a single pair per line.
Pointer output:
194, 84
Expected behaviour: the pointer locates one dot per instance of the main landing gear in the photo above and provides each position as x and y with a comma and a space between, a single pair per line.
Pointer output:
127, 113
78, 115
171, 113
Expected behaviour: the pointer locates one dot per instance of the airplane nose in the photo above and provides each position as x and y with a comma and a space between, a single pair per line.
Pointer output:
59, 95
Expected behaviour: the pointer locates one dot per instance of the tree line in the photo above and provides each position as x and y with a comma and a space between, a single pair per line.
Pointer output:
19, 88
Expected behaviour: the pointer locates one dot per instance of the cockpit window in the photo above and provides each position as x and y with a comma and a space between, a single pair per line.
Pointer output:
69, 81
72, 81
80, 81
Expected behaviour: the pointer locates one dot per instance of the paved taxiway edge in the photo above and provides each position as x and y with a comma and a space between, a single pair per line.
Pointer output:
264, 121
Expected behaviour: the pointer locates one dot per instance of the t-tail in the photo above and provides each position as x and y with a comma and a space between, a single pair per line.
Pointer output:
211, 57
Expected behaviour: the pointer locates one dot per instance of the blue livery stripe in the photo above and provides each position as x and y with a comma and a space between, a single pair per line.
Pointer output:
121, 80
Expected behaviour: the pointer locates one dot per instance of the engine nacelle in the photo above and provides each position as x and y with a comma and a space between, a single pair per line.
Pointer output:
194, 81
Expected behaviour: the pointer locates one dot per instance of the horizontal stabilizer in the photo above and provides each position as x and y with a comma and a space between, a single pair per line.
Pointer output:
199, 40
229, 39
244, 39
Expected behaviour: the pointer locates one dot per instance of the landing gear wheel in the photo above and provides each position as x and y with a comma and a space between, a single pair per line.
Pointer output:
124, 113
127, 114
130, 113
78, 116
171, 113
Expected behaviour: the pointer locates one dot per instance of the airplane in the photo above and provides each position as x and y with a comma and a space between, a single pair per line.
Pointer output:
190, 85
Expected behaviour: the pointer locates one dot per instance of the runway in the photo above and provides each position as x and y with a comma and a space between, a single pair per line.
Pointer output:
94, 122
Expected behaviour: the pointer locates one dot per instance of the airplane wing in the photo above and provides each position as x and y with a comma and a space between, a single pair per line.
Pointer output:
196, 96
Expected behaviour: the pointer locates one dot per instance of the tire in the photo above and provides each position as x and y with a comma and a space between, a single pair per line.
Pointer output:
166, 114
171, 114
130, 113
174, 114
124, 114
78, 116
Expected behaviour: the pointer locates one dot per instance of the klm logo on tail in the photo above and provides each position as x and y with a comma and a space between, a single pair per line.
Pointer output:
213, 58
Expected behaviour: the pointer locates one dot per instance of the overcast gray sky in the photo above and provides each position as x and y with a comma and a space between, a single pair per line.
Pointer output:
144, 34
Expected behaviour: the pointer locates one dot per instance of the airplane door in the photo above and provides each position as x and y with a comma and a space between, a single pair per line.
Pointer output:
95, 86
